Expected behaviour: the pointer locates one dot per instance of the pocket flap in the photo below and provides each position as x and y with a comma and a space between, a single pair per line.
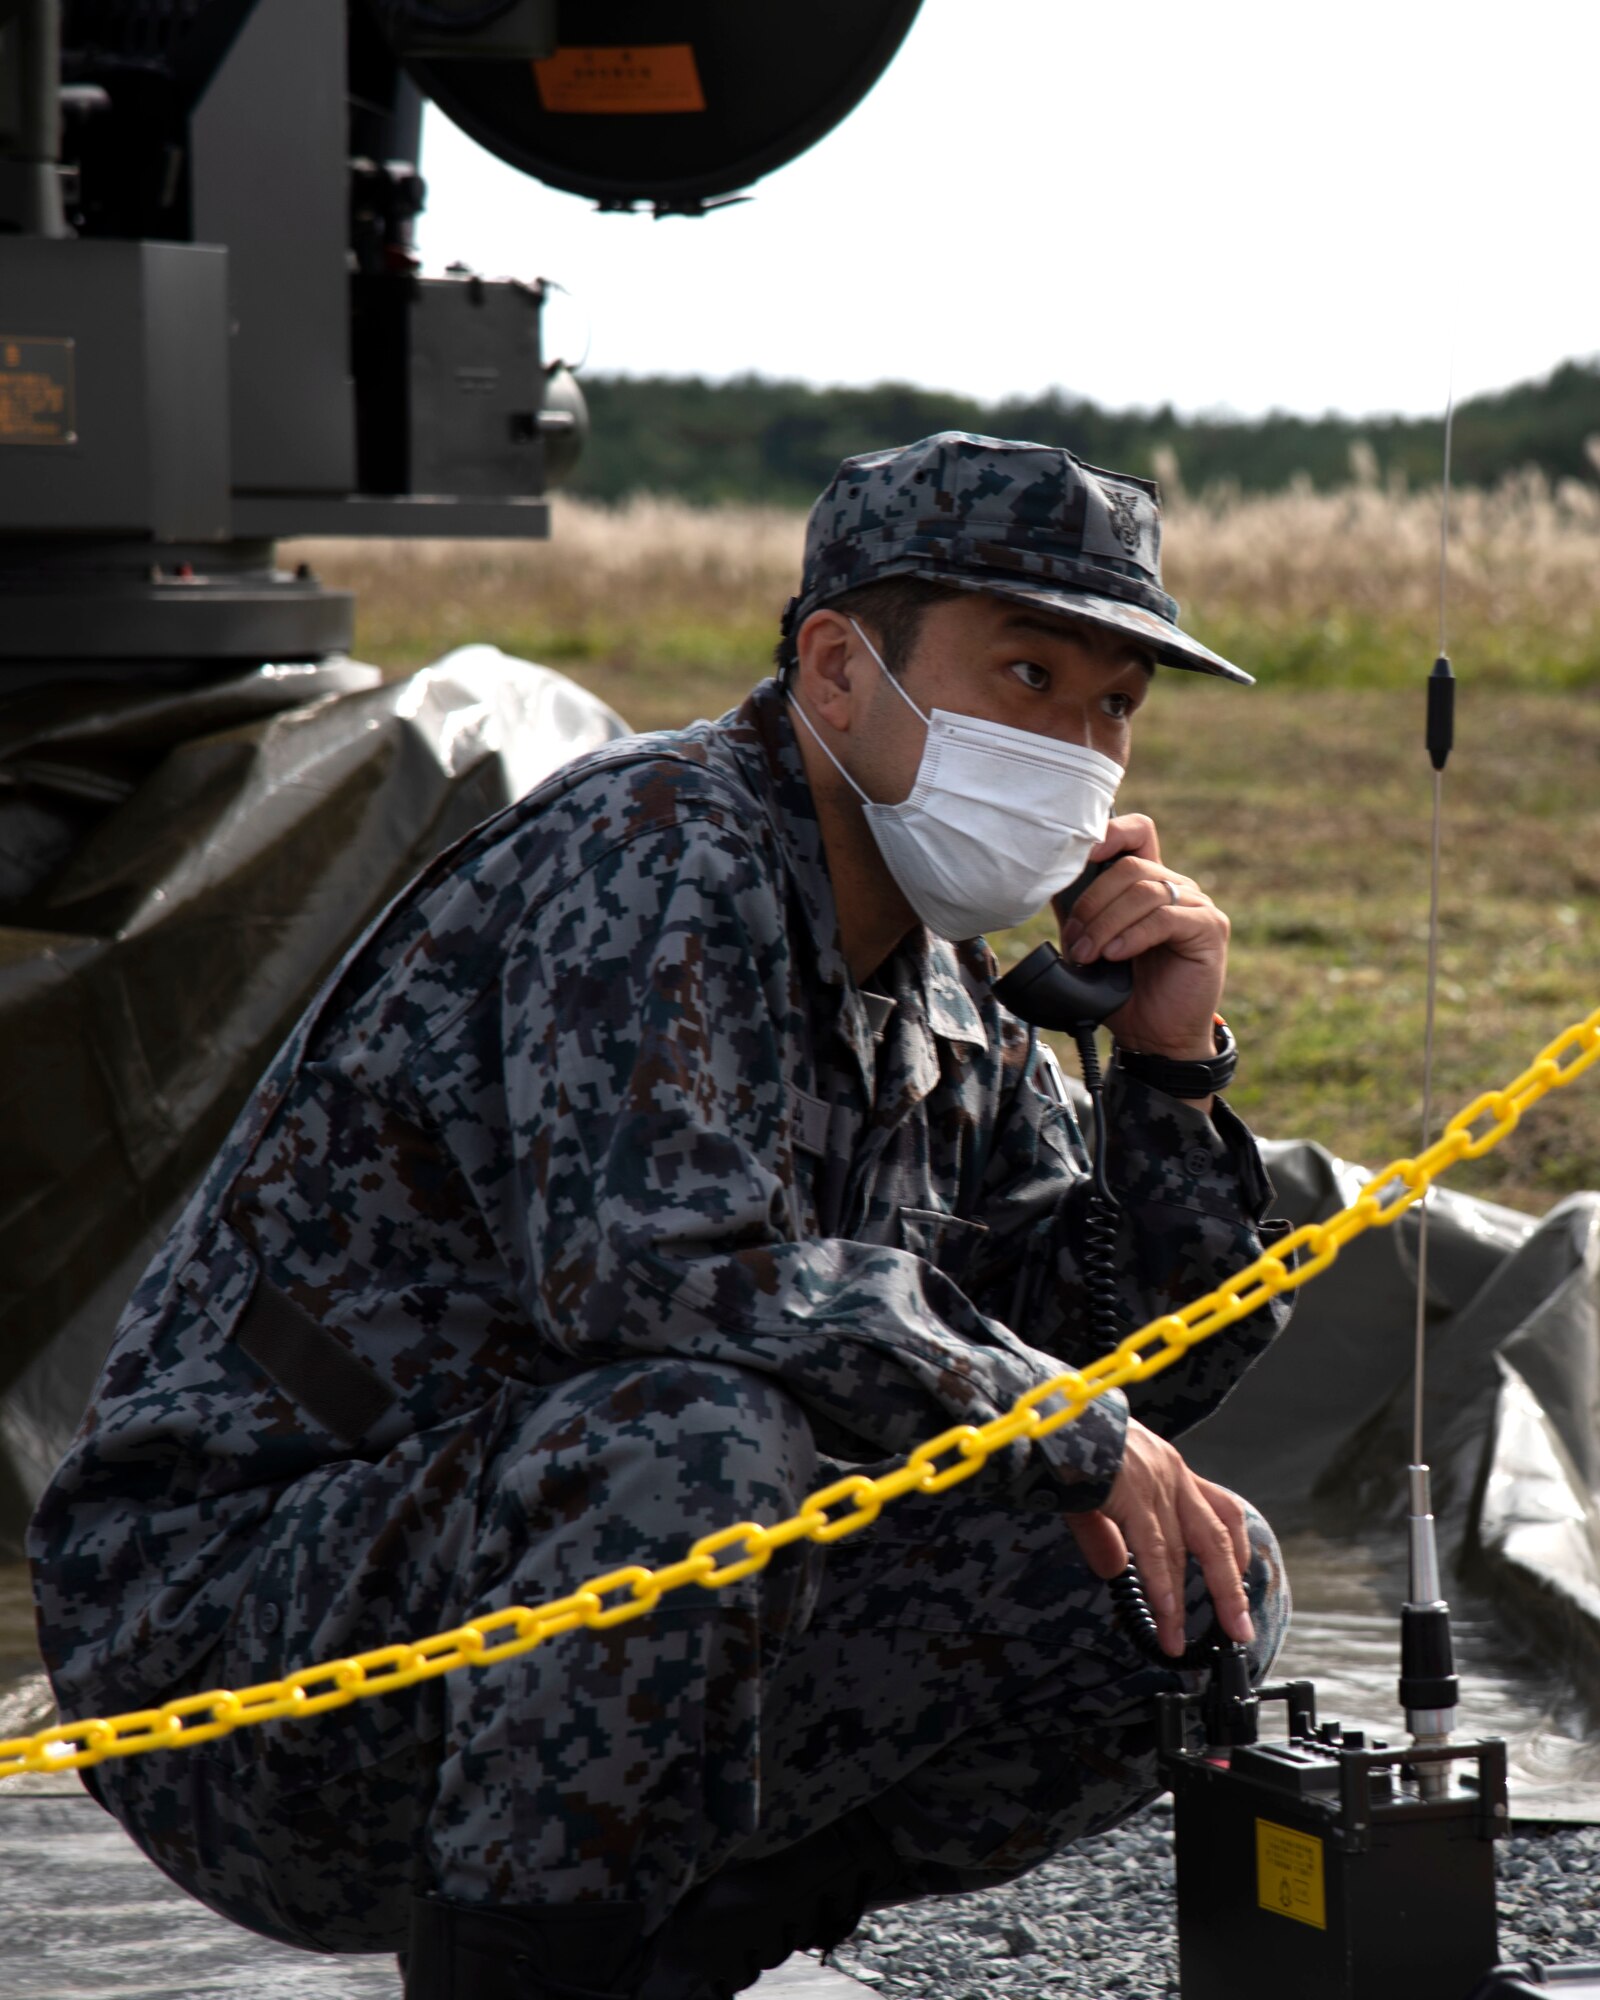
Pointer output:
333, 1386
938, 1238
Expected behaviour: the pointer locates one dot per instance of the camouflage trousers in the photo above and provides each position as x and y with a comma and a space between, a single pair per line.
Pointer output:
953, 1669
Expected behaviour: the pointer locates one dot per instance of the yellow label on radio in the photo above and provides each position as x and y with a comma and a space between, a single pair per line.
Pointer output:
1289, 1874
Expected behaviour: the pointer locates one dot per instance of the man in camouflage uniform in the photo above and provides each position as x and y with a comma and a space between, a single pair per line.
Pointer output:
646, 1165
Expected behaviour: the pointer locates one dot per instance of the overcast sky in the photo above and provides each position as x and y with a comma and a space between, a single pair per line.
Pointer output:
1236, 205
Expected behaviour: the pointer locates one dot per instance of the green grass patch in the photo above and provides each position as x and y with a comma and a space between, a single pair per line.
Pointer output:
1306, 814
1342, 650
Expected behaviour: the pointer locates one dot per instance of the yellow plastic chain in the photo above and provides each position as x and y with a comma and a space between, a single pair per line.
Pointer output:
941, 1463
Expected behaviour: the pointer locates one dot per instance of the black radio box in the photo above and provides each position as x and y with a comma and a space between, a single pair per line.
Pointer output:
1315, 1868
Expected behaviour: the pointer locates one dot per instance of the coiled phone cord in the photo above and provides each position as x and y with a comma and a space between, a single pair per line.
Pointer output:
1099, 1253
1099, 1265
1048, 991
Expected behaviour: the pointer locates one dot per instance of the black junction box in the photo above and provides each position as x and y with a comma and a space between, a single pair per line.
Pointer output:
1314, 1870
449, 386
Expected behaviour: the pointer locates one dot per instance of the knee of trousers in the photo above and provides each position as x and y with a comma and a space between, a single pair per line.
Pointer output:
629, 1462
1266, 1585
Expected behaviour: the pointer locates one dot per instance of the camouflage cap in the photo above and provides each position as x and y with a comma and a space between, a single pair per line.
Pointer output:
1025, 521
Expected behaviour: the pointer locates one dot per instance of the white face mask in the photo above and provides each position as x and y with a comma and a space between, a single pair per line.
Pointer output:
997, 821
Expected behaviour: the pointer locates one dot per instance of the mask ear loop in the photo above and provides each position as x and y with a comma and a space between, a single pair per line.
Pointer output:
794, 701
925, 720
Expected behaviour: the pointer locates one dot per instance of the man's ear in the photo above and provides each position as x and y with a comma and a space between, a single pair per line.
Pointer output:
828, 678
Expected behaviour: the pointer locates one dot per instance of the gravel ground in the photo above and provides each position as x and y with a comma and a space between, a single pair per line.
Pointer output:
1099, 1921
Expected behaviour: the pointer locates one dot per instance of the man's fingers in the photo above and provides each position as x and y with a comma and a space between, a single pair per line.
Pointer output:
1166, 1515
1212, 1545
1232, 1605
1191, 929
1091, 905
1229, 1509
1128, 833
1161, 1566
1100, 1543
1131, 910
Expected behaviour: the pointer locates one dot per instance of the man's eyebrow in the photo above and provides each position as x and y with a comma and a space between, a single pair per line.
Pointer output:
1134, 653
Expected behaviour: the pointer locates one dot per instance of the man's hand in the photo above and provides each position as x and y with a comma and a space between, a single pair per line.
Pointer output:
1161, 1511
1179, 947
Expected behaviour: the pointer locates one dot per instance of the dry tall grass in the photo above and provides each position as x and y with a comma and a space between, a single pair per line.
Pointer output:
609, 579
1296, 585
1301, 580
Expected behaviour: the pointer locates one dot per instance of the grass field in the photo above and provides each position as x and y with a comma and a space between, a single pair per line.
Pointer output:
1302, 804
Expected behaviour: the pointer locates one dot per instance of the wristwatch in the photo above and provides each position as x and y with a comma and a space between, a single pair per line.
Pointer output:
1185, 1079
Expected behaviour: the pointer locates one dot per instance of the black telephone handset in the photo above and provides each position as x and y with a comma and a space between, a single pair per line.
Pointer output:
1049, 991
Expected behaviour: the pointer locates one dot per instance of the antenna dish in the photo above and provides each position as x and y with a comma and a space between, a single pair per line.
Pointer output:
670, 104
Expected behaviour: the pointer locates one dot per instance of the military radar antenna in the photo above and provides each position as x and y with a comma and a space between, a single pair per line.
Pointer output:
213, 328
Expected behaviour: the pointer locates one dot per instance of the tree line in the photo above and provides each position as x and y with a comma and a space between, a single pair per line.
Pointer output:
751, 439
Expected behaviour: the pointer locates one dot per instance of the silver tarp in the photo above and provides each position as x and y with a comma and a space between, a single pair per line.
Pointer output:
181, 860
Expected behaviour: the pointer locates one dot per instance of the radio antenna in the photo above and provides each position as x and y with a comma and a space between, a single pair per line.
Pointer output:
1440, 739
1429, 1689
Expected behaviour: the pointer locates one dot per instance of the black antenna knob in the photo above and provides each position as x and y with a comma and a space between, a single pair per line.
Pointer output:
1428, 1678
1441, 712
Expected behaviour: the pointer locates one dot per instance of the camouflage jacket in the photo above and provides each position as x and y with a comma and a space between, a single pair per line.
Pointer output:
597, 1085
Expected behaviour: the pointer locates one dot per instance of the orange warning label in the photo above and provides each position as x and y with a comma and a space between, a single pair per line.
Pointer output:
610, 81
35, 390
1289, 1874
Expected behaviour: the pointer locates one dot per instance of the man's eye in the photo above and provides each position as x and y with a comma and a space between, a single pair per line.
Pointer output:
1118, 705
1031, 675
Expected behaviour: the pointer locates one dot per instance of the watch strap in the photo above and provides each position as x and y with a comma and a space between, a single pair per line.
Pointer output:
1185, 1079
